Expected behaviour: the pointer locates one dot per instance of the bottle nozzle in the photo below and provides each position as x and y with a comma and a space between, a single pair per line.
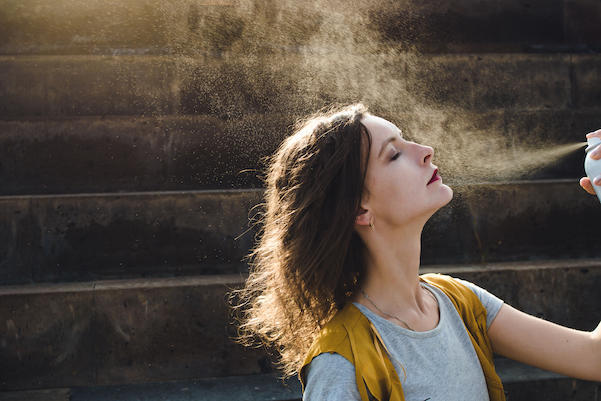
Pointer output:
593, 142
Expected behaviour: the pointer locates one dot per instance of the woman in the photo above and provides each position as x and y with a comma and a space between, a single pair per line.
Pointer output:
335, 284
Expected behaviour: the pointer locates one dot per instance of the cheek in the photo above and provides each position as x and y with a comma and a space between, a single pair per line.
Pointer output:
403, 183
383, 184
394, 190
397, 184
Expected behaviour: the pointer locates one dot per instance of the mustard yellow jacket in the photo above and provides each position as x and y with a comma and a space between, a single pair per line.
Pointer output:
351, 334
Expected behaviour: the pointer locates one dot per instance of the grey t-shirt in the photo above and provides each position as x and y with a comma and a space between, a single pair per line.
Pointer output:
440, 364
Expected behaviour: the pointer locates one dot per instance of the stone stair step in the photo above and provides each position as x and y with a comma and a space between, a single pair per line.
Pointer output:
63, 86
193, 152
122, 331
240, 388
52, 238
150, 26
542, 385
120, 235
119, 154
62, 394
524, 220
145, 331
466, 25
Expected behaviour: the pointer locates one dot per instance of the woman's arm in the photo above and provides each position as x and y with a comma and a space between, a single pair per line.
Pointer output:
546, 345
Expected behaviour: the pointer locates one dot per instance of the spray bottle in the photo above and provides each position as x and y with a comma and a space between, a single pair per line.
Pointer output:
592, 167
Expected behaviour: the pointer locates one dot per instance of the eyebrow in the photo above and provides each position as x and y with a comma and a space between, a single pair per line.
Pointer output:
387, 141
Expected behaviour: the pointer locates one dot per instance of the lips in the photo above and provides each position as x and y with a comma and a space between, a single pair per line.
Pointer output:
435, 177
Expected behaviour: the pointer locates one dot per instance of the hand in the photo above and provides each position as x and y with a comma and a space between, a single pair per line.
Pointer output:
585, 182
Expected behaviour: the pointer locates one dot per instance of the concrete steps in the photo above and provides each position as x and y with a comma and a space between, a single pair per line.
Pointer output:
92, 236
129, 137
521, 382
292, 83
196, 152
61, 238
183, 123
116, 154
190, 26
121, 331
154, 330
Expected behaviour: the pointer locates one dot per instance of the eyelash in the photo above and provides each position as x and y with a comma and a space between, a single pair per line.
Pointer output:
396, 155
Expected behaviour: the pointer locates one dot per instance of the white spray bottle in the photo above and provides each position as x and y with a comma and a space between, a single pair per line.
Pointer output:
592, 167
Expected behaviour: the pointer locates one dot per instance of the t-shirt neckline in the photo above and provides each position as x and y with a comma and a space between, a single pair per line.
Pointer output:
402, 330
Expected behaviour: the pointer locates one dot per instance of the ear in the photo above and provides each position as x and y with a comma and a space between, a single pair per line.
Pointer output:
363, 217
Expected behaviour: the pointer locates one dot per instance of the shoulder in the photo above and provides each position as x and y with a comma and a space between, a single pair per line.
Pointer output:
330, 377
454, 285
445, 282
462, 296
335, 332
334, 337
468, 293
329, 362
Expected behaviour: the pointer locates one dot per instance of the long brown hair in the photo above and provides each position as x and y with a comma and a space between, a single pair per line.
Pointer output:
308, 259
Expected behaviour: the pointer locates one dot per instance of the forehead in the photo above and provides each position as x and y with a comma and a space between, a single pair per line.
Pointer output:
379, 128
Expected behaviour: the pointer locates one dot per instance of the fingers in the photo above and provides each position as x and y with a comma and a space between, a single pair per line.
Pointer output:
585, 183
594, 133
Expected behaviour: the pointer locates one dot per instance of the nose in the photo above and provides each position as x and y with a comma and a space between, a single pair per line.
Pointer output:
427, 153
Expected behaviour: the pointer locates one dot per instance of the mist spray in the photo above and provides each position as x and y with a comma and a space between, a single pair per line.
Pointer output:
592, 167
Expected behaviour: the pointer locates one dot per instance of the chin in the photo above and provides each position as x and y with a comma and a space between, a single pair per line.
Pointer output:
445, 198
450, 193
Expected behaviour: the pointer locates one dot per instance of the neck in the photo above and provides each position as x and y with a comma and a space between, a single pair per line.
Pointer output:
392, 274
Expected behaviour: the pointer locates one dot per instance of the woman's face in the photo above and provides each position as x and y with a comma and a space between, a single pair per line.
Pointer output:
398, 176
